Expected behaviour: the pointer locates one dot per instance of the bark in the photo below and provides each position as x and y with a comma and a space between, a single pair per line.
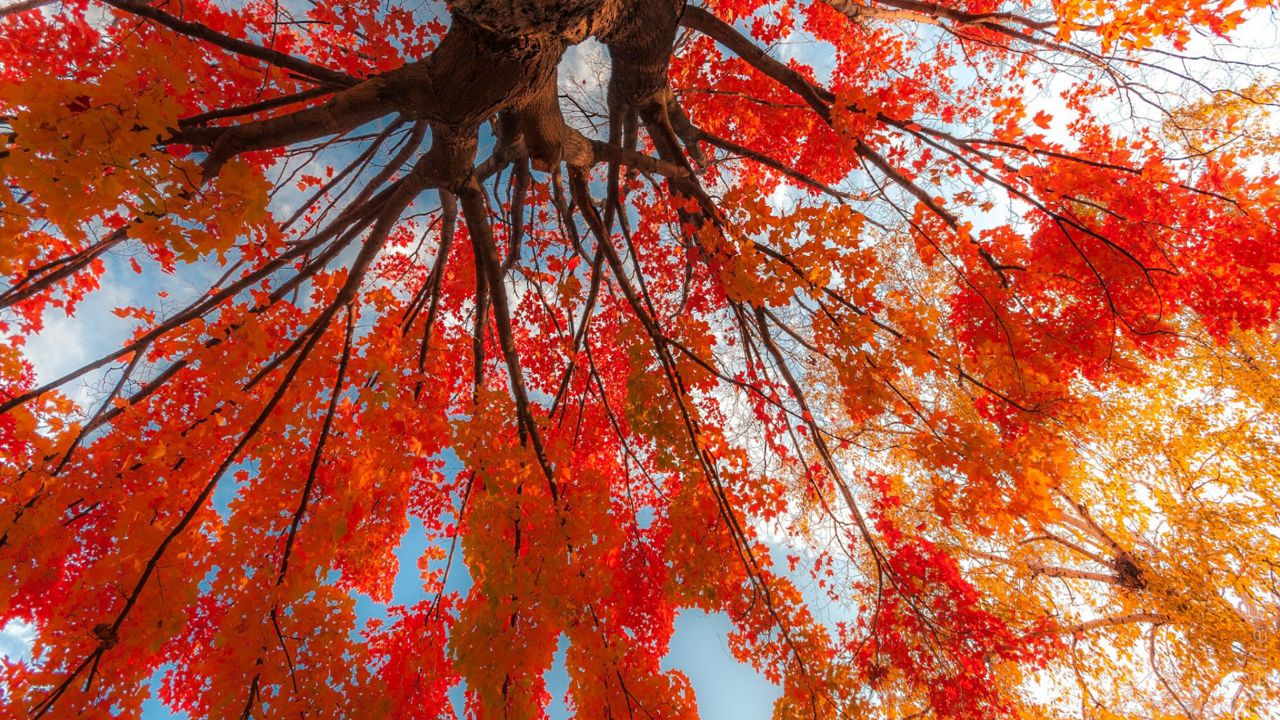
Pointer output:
497, 59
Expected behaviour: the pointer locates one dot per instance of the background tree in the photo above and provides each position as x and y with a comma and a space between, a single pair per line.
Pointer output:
933, 343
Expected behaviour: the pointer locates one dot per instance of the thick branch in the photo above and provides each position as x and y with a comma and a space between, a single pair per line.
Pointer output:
241, 47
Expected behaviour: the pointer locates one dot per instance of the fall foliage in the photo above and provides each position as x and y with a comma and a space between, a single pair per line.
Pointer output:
934, 344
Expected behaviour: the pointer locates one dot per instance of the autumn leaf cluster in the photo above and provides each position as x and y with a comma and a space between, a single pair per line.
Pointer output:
933, 344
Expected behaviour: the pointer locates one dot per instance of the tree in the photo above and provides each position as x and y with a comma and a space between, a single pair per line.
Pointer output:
941, 355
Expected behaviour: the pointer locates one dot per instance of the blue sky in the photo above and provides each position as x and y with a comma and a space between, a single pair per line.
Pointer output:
724, 687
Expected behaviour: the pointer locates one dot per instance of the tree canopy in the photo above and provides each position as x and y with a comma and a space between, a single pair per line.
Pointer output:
933, 343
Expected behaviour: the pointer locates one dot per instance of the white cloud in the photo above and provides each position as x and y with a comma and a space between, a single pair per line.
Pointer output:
16, 640
67, 342
581, 80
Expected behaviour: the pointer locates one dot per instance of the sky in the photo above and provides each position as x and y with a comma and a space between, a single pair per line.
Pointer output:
724, 688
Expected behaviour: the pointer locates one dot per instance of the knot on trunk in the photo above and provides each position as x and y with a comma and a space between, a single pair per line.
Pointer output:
1128, 573
106, 635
